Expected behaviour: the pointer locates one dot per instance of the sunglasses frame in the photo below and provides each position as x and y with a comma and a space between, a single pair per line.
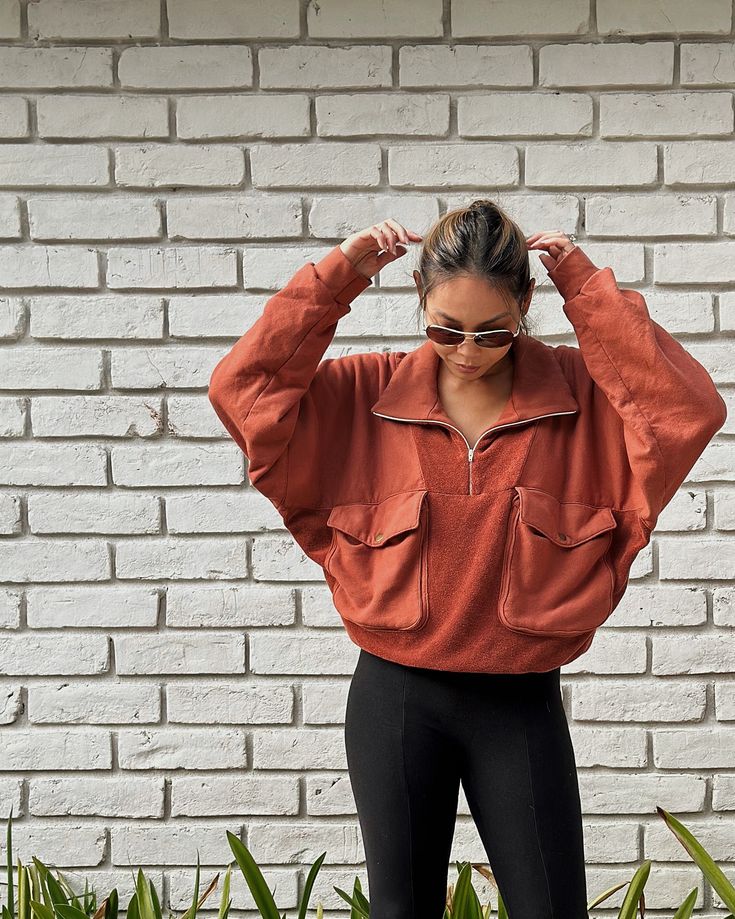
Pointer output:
473, 335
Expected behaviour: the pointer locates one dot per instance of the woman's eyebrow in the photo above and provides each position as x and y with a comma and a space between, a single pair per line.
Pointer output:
457, 322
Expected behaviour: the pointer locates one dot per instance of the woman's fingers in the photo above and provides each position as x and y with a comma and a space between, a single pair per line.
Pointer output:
556, 238
390, 232
377, 233
397, 232
401, 231
385, 236
388, 235
555, 243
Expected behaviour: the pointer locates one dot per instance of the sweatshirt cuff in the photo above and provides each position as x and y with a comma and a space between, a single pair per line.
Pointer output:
340, 276
571, 272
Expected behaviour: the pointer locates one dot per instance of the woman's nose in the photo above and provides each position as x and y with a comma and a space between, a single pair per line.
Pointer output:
469, 347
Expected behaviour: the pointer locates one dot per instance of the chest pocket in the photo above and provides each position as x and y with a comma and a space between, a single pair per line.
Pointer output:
557, 579
377, 560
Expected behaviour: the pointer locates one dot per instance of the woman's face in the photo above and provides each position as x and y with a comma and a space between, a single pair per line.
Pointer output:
470, 304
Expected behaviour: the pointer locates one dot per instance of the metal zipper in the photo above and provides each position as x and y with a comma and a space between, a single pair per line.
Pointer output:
471, 450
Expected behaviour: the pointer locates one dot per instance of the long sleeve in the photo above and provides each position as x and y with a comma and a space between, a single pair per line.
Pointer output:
668, 404
263, 384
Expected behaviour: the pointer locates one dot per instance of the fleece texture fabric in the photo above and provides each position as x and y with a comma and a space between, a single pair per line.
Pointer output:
500, 556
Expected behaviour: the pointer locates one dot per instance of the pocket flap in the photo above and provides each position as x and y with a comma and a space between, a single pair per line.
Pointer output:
565, 523
375, 524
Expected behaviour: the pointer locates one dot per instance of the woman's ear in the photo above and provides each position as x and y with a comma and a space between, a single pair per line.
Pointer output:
527, 298
417, 280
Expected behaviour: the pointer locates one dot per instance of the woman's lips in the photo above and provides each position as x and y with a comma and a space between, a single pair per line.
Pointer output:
465, 368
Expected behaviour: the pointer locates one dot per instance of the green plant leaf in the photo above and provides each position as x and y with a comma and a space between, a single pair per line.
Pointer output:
601, 897
146, 907
687, 907
212, 886
701, 856
192, 911
363, 906
197, 900
67, 911
90, 899
42, 895
354, 903
9, 856
112, 904
635, 889
23, 892
69, 896
254, 877
155, 901
356, 886
133, 908
465, 902
55, 891
362, 902
225, 900
41, 911
309, 884
35, 893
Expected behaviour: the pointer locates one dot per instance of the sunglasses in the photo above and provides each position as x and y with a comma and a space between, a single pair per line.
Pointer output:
496, 338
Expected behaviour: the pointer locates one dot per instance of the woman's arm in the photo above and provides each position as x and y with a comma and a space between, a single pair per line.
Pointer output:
257, 388
288, 410
667, 401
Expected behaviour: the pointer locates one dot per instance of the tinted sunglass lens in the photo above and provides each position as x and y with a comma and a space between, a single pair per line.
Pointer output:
495, 340
442, 337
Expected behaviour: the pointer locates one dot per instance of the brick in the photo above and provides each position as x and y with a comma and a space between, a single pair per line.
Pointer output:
88, 796
108, 19
319, 66
185, 67
82, 217
224, 19
83, 116
251, 115
105, 607
94, 703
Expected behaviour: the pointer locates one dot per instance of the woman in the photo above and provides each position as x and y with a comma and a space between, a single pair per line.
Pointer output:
475, 505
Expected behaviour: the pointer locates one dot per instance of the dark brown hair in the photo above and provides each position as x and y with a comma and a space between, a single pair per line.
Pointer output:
482, 240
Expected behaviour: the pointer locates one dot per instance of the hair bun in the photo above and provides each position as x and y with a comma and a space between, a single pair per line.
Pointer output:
482, 204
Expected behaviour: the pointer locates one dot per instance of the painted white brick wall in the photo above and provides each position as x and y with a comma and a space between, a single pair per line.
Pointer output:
170, 663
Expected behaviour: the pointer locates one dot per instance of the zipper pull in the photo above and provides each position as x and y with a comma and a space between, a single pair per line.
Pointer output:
471, 454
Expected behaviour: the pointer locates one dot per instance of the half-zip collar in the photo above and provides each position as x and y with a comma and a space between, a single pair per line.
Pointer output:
539, 387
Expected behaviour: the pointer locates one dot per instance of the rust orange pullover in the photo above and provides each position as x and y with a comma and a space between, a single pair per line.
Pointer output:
499, 556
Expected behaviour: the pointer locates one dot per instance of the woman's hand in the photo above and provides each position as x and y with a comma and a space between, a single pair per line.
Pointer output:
371, 249
556, 243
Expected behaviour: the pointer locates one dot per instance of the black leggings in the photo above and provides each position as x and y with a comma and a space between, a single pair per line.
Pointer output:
412, 734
